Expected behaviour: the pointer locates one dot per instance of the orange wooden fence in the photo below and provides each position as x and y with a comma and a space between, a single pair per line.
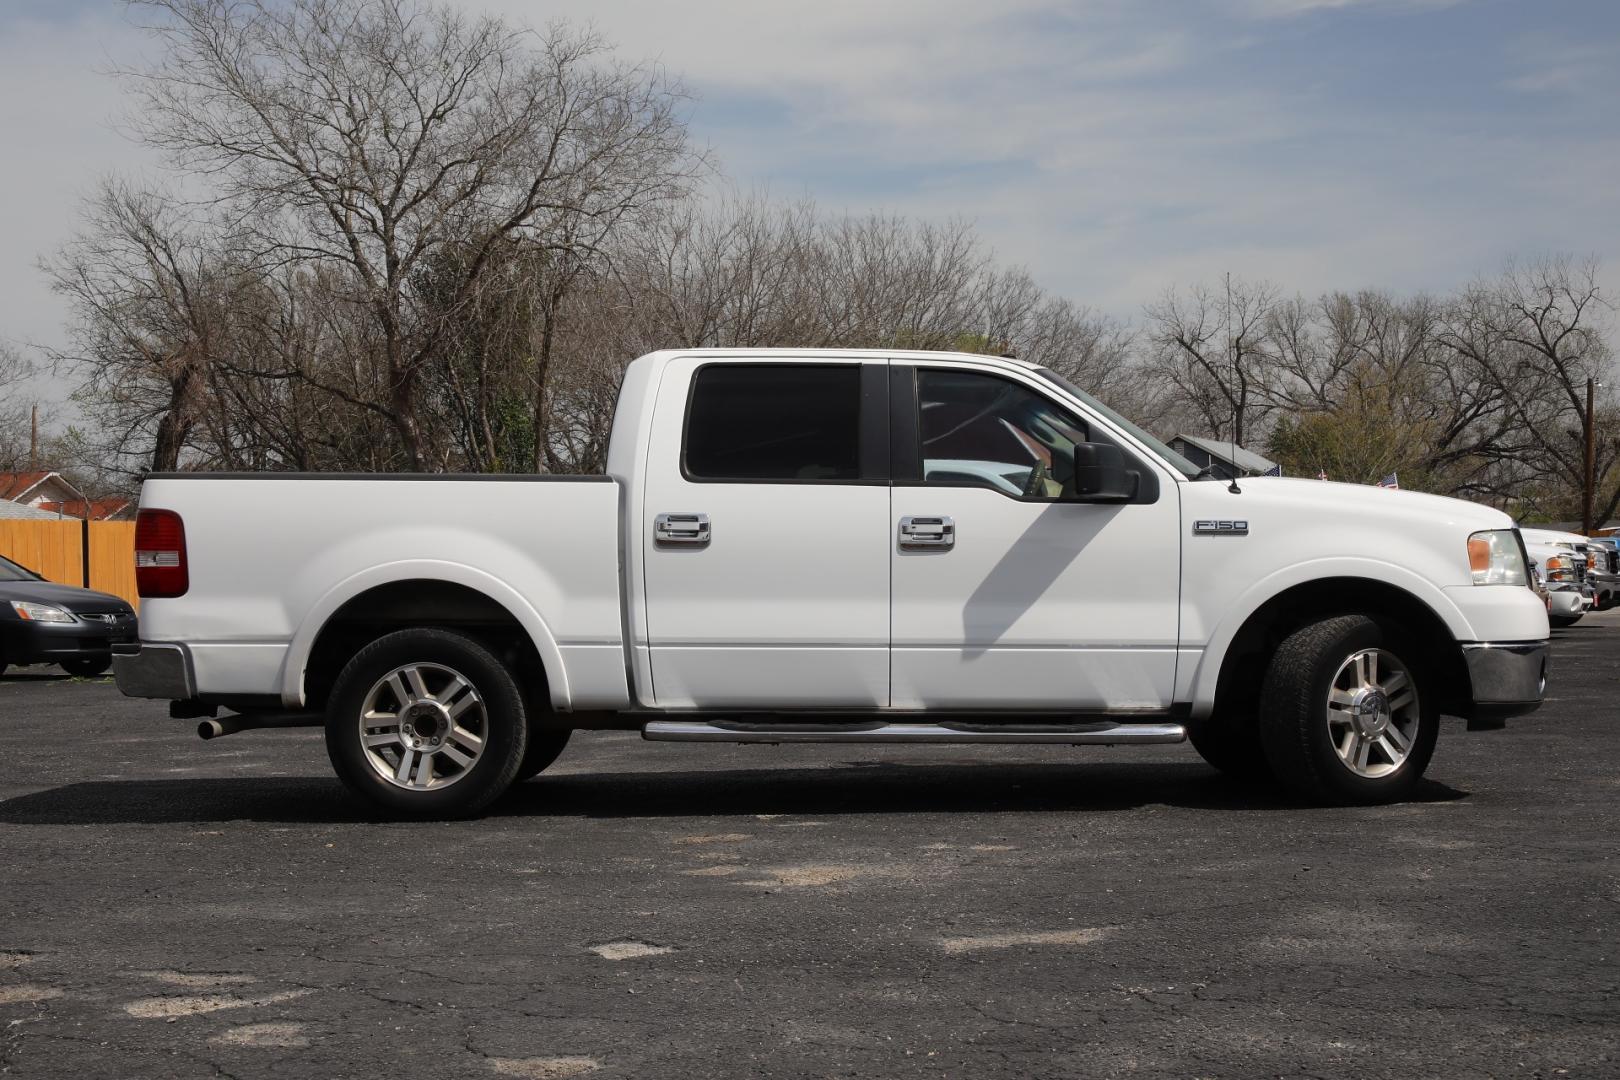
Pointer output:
93, 554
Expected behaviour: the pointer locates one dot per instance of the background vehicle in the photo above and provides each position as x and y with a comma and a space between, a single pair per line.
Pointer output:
836, 547
42, 622
1562, 559
1603, 570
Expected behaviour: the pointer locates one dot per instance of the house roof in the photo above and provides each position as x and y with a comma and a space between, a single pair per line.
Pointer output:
12, 511
1247, 460
14, 485
88, 509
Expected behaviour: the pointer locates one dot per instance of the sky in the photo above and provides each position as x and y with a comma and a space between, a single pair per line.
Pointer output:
1114, 147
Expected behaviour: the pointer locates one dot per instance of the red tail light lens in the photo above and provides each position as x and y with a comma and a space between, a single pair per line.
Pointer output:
160, 554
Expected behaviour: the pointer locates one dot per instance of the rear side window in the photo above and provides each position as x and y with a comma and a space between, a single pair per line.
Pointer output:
774, 423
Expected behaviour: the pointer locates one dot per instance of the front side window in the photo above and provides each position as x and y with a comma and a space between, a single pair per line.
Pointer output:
774, 423
990, 432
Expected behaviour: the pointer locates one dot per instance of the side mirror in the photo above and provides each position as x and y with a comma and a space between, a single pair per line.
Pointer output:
1100, 475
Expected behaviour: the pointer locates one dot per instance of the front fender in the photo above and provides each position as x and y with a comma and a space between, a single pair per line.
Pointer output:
303, 640
1231, 620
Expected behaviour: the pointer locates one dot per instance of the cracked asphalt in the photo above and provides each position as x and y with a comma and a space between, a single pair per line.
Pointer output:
179, 908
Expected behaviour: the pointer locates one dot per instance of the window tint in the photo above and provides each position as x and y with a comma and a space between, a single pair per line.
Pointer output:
774, 422
980, 430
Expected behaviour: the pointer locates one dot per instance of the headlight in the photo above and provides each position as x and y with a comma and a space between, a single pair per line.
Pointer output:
41, 612
1495, 559
1557, 568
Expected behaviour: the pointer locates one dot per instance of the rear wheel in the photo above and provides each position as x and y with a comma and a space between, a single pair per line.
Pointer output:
86, 669
426, 723
1343, 716
1562, 621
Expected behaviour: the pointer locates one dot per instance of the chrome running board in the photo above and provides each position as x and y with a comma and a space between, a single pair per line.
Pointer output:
1089, 734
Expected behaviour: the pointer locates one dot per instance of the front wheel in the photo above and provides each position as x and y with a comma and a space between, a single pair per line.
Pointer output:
1344, 716
1562, 621
87, 669
426, 723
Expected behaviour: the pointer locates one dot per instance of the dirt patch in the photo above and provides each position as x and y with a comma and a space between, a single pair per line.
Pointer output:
553, 1068
712, 871
629, 950
1079, 936
189, 980
27, 994
275, 1036
165, 1008
715, 838
798, 877
10, 961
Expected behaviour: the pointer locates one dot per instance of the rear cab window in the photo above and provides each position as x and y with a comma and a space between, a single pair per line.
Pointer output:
774, 423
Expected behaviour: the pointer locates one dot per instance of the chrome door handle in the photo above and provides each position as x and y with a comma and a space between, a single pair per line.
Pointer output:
927, 532
681, 528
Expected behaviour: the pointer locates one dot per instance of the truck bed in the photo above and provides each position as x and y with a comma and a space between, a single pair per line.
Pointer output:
273, 555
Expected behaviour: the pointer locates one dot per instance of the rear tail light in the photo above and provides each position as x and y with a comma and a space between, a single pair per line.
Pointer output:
160, 554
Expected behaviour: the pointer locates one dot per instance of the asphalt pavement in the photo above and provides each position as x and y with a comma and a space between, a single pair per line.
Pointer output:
179, 908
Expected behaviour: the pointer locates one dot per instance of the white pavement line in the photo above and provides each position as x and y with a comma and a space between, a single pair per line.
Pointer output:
164, 1008
1084, 936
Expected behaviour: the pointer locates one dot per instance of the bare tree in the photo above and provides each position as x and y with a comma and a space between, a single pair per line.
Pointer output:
150, 295
1211, 346
370, 134
1536, 334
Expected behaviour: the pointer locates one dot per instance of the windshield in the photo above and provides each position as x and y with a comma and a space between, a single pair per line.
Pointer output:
10, 571
1175, 460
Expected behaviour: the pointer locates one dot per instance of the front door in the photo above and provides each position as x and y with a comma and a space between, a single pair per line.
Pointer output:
765, 541
1006, 597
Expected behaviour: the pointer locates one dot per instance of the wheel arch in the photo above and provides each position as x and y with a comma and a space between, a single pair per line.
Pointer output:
424, 593
1235, 660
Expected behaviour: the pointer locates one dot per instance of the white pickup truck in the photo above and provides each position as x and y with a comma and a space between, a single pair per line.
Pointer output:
834, 546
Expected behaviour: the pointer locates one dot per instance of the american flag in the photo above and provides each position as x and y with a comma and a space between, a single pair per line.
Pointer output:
1390, 482
1275, 470
1321, 474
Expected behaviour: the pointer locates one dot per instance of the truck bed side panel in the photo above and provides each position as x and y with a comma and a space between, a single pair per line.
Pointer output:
272, 557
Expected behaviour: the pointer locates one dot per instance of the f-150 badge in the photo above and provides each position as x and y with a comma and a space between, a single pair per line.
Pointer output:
1220, 528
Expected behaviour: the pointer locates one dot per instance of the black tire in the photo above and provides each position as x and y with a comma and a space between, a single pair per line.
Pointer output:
87, 669
1230, 741
1294, 727
545, 746
1562, 621
504, 733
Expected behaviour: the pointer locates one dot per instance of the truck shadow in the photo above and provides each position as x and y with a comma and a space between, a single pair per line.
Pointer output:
876, 788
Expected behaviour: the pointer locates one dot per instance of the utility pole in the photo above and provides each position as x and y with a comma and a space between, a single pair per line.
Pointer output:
1589, 472
33, 443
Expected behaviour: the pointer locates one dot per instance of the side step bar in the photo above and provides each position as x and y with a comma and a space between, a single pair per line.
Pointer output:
1099, 734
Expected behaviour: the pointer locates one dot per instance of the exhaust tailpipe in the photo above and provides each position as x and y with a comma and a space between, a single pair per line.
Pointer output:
230, 725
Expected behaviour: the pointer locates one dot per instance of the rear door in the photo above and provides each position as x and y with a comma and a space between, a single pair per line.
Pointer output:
766, 539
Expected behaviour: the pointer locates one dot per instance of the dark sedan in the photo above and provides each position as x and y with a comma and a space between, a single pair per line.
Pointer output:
42, 622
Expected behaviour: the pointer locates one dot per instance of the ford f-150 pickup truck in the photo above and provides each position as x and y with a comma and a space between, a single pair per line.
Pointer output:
833, 546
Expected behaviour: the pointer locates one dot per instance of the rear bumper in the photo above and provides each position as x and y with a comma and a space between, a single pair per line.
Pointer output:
150, 670
1508, 678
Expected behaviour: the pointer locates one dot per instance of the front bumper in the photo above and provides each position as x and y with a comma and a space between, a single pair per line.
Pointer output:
26, 641
148, 670
1508, 678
